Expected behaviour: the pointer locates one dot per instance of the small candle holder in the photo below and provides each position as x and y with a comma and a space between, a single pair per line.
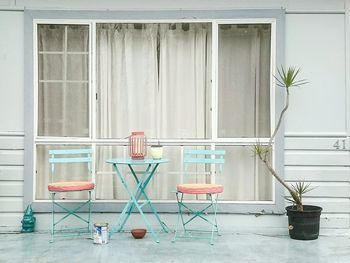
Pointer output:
157, 151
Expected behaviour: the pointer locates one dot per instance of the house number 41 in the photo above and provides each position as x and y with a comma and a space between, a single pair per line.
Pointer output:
339, 144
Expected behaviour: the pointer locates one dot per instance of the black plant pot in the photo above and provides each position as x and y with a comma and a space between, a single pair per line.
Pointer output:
304, 225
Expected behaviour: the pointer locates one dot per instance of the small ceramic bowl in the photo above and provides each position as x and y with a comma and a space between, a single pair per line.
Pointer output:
138, 233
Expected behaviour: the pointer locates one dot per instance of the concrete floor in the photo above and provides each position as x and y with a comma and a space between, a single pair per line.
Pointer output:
242, 246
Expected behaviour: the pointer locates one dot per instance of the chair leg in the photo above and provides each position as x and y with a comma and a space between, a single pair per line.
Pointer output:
181, 214
215, 223
199, 214
53, 217
89, 215
69, 213
215, 213
178, 218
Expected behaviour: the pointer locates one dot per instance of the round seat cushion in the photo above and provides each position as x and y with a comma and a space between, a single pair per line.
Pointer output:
200, 188
70, 186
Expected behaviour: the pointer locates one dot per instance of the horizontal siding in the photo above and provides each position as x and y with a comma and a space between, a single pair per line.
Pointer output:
11, 157
11, 188
320, 158
11, 181
330, 205
326, 143
11, 173
11, 204
10, 221
334, 221
322, 189
11, 142
327, 169
317, 173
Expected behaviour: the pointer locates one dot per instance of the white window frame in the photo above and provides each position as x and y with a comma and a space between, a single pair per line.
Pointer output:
214, 141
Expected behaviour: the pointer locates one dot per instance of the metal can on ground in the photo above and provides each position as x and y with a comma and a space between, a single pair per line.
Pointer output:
101, 233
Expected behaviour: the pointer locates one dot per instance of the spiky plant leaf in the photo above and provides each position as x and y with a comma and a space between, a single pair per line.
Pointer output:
261, 150
288, 78
302, 188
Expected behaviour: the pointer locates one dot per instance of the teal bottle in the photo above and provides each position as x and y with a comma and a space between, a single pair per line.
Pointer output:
28, 221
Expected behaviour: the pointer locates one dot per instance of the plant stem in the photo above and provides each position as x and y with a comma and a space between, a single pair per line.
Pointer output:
279, 121
294, 195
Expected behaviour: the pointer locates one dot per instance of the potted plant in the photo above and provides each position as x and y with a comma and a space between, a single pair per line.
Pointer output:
303, 220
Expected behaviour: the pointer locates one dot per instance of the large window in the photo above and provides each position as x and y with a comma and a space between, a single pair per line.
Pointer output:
184, 84
63, 86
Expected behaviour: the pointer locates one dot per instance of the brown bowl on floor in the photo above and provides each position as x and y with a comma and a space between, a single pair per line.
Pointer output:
138, 233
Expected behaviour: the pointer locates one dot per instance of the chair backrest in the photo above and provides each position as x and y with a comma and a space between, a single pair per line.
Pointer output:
70, 156
210, 157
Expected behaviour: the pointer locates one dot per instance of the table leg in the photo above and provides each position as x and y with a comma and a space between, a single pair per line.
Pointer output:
123, 217
144, 182
137, 193
134, 201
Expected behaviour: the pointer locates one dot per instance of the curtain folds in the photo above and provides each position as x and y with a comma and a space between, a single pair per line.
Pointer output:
127, 87
244, 106
150, 78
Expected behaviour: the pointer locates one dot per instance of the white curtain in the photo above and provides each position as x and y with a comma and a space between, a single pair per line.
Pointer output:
244, 102
127, 90
182, 81
130, 98
182, 85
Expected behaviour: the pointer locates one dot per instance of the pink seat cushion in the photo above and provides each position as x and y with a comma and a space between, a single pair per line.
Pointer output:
70, 186
200, 188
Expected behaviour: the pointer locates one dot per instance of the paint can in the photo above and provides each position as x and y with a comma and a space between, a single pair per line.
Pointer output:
101, 233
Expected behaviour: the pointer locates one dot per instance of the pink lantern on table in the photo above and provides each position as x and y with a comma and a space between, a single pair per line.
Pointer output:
137, 145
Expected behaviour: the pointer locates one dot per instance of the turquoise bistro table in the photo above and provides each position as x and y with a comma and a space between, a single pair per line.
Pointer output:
148, 168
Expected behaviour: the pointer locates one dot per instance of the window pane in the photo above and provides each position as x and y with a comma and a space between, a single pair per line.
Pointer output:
63, 89
63, 172
63, 109
78, 38
51, 67
77, 67
51, 37
245, 177
244, 81
184, 80
154, 78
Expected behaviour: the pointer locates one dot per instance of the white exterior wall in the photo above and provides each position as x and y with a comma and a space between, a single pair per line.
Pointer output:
11, 119
318, 115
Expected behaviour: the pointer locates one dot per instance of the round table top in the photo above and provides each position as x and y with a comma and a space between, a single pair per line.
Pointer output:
136, 161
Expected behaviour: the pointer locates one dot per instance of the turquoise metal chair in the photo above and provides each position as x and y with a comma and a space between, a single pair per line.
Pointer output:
195, 158
70, 156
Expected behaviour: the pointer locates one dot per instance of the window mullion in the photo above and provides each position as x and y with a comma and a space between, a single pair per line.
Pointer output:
214, 95
92, 81
214, 92
93, 98
65, 71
